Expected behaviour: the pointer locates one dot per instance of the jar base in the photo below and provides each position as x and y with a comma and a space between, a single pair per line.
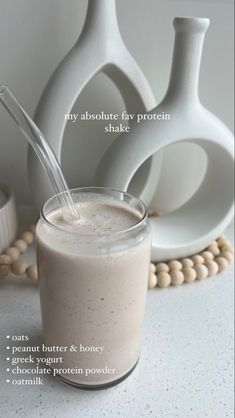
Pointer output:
96, 387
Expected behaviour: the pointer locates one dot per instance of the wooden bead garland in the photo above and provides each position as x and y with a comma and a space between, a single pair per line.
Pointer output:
216, 258
10, 261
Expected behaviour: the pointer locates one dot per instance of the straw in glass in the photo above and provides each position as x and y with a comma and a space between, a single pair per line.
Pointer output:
44, 152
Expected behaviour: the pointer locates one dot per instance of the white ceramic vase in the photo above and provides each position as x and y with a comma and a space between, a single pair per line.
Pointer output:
100, 48
206, 214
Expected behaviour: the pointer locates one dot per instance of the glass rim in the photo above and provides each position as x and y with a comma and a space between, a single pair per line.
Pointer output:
141, 221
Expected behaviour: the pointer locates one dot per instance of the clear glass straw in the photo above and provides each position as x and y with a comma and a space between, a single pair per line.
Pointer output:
44, 152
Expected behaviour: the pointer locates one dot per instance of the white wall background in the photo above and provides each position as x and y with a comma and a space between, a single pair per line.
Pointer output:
36, 34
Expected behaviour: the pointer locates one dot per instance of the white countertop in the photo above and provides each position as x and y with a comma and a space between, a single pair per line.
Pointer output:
186, 365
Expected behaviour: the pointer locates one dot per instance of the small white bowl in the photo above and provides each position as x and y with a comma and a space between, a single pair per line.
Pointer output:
8, 218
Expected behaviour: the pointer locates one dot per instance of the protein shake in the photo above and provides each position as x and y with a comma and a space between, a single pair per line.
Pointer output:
93, 282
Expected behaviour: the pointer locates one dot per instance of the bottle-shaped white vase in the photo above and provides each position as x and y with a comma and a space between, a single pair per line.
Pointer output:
100, 48
206, 214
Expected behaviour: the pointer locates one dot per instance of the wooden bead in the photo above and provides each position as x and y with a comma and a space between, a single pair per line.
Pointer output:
152, 268
4, 271
226, 242
214, 243
163, 280
221, 240
189, 274
222, 263
198, 259
13, 252
152, 281
227, 248
162, 268
207, 256
201, 271
175, 265
5, 263
32, 228
214, 250
18, 267
153, 213
32, 273
177, 277
5, 260
28, 237
212, 268
187, 263
21, 245
229, 256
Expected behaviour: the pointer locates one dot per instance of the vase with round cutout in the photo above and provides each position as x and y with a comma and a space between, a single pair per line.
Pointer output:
190, 228
100, 48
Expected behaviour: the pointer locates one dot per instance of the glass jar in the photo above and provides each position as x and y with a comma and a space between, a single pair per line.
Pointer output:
93, 278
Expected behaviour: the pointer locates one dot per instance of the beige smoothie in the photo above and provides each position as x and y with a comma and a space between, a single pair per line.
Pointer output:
93, 278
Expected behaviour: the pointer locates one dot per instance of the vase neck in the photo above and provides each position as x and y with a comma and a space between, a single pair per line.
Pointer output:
101, 17
189, 39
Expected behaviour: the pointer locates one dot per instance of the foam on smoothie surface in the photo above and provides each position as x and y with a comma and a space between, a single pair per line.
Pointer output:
97, 218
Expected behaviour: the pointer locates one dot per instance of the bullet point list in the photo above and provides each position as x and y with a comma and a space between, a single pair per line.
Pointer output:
8, 358
8, 336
